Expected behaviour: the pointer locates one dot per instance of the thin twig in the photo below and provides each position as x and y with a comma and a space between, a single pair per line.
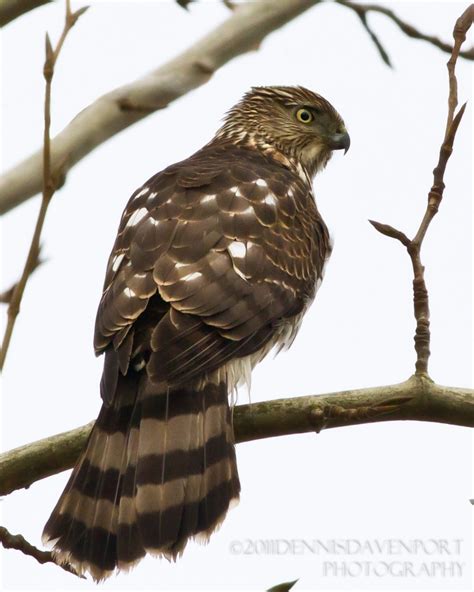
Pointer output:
378, 44
435, 195
459, 33
362, 11
418, 398
6, 296
391, 231
19, 543
50, 181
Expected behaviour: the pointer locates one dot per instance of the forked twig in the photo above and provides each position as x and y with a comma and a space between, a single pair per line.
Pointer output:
413, 246
51, 180
362, 10
19, 543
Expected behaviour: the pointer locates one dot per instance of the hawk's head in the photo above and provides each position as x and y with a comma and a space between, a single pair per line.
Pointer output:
291, 120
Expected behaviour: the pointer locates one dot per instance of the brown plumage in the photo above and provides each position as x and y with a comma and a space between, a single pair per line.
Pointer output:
215, 262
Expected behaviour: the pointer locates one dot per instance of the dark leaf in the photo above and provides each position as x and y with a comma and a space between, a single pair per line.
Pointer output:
184, 3
282, 587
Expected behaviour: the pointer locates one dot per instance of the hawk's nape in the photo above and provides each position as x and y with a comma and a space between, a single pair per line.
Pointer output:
216, 260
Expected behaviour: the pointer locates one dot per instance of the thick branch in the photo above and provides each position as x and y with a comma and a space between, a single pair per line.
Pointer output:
12, 9
243, 31
416, 399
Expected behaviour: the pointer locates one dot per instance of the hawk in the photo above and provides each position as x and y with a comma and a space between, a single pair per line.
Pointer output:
216, 260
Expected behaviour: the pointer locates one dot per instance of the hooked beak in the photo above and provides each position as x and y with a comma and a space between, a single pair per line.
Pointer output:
340, 142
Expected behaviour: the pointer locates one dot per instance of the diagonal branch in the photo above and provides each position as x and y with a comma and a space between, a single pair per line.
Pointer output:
415, 399
12, 9
242, 32
49, 181
362, 14
420, 292
19, 543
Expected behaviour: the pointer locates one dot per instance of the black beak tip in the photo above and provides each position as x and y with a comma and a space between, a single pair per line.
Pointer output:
347, 144
341, 142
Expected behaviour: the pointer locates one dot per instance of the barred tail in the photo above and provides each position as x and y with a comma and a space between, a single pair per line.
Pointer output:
158, 470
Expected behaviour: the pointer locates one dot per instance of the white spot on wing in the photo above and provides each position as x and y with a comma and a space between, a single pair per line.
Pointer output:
144, 191
270, 200
129, 293
139, 365
208, 198
192, 276
236, 191
237, 249
136, 217
261, 183
117, 260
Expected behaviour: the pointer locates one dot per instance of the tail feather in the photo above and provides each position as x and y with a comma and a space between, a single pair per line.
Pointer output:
158, 469
83, 526
130, 547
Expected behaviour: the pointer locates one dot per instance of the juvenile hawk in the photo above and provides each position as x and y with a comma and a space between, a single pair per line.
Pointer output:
216, 260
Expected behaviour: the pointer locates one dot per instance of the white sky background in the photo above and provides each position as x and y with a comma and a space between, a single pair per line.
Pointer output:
383, 481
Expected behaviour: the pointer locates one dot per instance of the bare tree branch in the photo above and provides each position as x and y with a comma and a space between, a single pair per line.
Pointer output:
362, 10
12, 9
243, 31
420, 292
49, 178
19, 543
419, 398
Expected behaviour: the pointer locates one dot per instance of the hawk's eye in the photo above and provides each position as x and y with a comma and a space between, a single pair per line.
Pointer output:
304, 116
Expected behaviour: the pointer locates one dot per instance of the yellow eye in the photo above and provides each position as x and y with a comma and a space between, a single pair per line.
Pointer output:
304, 116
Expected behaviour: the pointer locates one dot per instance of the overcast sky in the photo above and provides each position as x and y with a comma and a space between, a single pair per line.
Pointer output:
373, 482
